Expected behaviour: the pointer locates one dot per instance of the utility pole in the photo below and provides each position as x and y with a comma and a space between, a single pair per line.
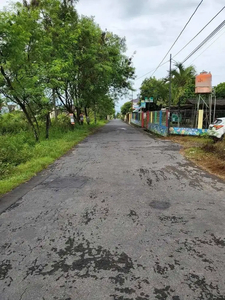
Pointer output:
170, 92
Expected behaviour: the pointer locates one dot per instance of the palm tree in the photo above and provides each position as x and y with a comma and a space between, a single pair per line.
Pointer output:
181, 78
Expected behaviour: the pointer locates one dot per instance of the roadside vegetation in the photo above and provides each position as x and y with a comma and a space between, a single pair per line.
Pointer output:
203, 152
21, 157
183, 87
51, 57
54, 65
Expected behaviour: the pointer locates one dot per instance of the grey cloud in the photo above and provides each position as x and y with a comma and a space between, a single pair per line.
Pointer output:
143, 38
136, 8
132, 8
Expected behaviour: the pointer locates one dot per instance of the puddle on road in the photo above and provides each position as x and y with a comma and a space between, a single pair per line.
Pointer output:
160, 204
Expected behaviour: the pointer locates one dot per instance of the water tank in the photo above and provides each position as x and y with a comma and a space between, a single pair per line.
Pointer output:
203, 83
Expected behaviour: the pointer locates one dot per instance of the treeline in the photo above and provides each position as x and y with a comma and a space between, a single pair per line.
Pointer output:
51, 57
183, 87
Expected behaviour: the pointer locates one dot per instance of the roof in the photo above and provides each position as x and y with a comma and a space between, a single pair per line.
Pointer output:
219, 102
135, 100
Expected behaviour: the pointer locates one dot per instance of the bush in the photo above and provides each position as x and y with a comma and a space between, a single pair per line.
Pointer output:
62, 123
14, 122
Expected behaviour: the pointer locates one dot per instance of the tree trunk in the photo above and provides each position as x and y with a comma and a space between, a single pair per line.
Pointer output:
95, 116
30, 122
47, 125
34, 118
86, 115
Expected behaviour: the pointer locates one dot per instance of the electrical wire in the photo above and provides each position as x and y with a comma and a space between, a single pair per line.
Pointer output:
161, 64
152, 70
211, 35
208, 47
199, 32
178, 36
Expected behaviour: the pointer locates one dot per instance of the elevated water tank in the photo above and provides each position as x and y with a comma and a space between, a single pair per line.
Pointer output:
203, 83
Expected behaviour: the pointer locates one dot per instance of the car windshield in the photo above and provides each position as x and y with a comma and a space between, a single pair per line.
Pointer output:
218, 121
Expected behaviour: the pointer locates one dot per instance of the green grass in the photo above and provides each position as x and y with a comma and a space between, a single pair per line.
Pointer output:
204, 152
21, 158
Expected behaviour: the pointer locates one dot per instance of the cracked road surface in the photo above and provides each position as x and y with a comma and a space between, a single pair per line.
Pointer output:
123, 216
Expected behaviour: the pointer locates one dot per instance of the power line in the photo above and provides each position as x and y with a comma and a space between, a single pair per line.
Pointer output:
200, 31
152, 70
211, 35
208, 47
161, 64
179, 35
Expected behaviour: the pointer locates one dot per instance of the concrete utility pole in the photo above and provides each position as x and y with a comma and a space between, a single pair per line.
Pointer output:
170, 92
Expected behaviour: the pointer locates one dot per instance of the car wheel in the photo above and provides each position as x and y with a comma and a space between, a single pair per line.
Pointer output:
215, 139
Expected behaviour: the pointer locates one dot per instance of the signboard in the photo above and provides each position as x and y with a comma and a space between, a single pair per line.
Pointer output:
143, 104
149, 100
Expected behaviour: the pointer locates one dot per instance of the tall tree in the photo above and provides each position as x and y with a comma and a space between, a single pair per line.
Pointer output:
49, 55
20, 79
158, 89
126, 108
182, 78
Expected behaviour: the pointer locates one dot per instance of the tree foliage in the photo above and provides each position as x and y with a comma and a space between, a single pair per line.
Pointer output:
50, 56
158, 89
126, 108
220, 90
182, 79
183, 86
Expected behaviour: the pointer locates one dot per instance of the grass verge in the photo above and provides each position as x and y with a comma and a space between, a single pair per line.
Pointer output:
25, 158
204, 153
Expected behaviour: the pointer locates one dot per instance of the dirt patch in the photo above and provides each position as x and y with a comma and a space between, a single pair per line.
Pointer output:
203, 152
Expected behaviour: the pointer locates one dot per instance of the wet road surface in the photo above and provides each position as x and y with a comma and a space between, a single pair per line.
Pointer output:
123, 216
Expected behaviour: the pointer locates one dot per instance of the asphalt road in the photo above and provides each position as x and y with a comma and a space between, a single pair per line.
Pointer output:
123, 216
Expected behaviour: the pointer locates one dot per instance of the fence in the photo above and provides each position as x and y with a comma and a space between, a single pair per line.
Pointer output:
181, 122
158, 122
136, 118
184, 118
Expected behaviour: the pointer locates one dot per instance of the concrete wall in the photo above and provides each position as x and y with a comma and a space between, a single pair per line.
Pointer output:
136, 122
157, 122
187, 131
159, 129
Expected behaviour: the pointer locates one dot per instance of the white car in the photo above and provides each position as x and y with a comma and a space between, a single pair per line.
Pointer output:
217, 129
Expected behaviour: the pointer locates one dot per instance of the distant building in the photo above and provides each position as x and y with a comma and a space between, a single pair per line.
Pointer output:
135, 103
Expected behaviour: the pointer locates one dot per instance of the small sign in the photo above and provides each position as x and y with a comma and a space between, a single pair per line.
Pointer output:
72, 119
143, 104
151, 99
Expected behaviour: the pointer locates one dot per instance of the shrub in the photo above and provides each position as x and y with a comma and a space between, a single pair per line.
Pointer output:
14, 122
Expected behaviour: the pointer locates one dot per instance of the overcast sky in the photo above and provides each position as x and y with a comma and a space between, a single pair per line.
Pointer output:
151, 26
